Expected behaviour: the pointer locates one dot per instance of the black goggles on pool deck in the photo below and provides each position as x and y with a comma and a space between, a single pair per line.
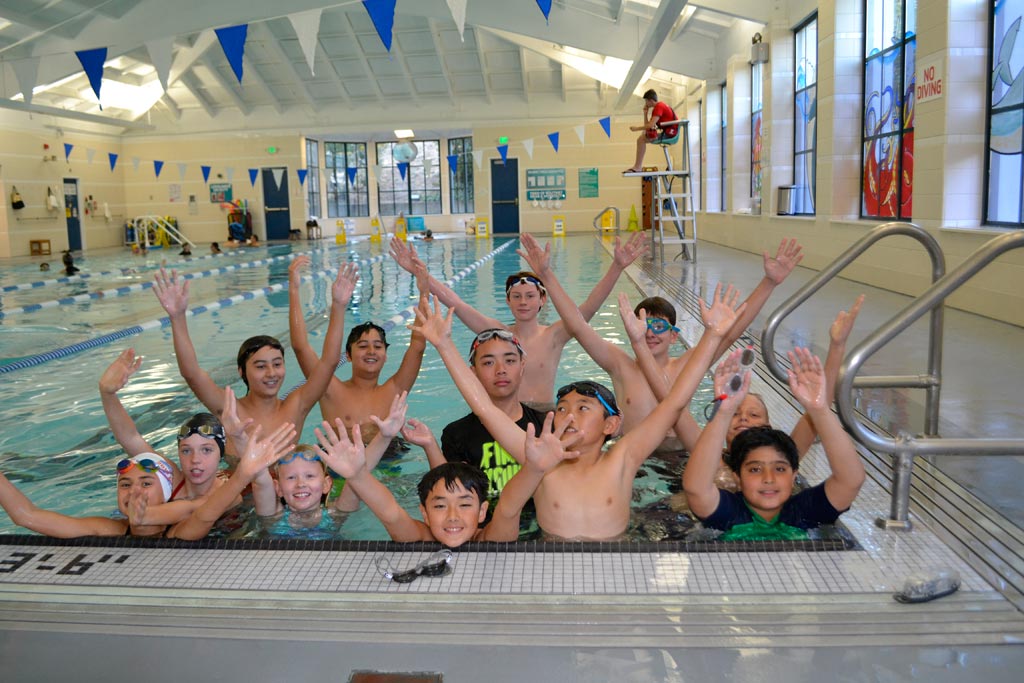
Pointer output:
591, 390
436, 564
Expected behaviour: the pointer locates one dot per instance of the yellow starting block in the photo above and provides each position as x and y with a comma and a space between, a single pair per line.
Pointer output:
558, 228
483, 228
375, 233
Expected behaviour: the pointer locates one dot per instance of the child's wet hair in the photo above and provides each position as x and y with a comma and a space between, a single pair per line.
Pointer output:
251, 346
657, 307
471, 477
359, 330
757, 437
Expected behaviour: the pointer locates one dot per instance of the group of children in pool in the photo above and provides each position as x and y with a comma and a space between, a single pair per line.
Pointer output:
515, 446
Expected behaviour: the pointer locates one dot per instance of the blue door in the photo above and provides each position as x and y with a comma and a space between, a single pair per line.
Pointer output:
275, 203
71, 212
505, 195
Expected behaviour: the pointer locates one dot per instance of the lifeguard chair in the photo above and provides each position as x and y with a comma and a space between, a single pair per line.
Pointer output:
664, 205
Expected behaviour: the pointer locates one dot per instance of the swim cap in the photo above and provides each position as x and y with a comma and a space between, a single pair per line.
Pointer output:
205, 425
154, 463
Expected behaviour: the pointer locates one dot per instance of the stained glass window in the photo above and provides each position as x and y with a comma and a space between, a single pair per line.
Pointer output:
756, 112
1004, 174
805, 115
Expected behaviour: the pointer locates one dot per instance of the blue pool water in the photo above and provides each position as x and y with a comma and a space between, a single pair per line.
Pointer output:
54, 440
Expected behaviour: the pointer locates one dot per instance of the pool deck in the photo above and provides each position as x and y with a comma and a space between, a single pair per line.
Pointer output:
567, 616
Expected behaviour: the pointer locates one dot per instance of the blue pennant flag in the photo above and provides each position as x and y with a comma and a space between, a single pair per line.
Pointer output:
206, 173
253, 172
232, 41
545, 7
403, 168
113, 160
157, 167
554, 140
503, 151
382, 14
302, 175
351, 170
453, 163
606, 123
92, 62
67, 151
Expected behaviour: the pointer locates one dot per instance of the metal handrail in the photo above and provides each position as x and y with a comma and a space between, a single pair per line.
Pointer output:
602, 212
905, 446
931, 382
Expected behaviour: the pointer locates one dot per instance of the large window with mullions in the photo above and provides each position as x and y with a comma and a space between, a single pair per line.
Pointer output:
805, 115
419, 192
1004, 163
347, 191
887, 149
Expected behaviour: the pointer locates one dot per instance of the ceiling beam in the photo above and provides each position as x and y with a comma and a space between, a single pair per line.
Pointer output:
399, 56
525, 74
370, 76
228, 86
435, 34
620, 11
477, 37
270, 42
254, 73
191, 81
684, 21
76, 115
561, 73
659, 28
168, 102
328, 65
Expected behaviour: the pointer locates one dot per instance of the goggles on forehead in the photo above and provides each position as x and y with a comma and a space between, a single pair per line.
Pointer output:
591, 390
145, 464
660, 325
496, 333
308, 457
525, 280
210, 431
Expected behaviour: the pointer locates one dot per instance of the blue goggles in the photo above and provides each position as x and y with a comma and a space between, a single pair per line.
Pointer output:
660, 326
591, 390
308, 457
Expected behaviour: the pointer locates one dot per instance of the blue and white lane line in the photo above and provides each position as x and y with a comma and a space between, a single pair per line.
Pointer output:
31, 361
409, 313
141, 286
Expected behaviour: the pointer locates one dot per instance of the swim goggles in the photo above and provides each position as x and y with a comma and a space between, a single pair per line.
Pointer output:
747, 359
494, 333
660, 326
144, 464
210, 431
591, 390
436, 564
525, 280
308, 457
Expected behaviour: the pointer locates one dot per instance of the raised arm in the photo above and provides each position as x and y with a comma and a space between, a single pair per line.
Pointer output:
405, 255
437, 329
623, 255
418, 433
113, 379
699, 476
297, 332
611, 358
26, 514
807, 382
347, 457
172, 292
387, 429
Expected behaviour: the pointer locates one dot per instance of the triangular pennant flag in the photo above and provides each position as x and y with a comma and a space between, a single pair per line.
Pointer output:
67, 151
352, 170
230, 173
453, 163
90, 154
278, 174
478, 157
553, 137
206, 173
528, 146
253, 172
27, 73
113, 160
579, 133
182, 169
92, 62
157, 167
403, 168
307, 26
161, 54
545, 7
382, 14
377, 169
232, 41
135, 163
503, 151
302, 175
606, 123
458, 10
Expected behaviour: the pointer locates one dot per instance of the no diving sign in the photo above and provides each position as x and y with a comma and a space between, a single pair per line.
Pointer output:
928, 78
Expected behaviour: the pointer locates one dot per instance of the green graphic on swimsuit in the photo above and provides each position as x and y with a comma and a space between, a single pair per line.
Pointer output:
499, 467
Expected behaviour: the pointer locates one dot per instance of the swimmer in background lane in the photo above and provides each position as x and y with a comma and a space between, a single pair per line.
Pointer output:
69, 263
453, 495
143, 481
260, 363
526, 295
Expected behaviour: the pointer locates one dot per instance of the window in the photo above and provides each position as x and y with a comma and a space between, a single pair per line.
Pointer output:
1004, 173
419, 193
756, 110
313, 177
347, 191
887, 161
805, 117
724, 128
462, 180
697, 169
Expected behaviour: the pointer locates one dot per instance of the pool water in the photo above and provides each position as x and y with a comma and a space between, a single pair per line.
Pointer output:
56, 446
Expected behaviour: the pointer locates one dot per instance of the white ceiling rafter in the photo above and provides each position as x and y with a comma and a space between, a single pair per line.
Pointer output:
229, 87
657, 33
